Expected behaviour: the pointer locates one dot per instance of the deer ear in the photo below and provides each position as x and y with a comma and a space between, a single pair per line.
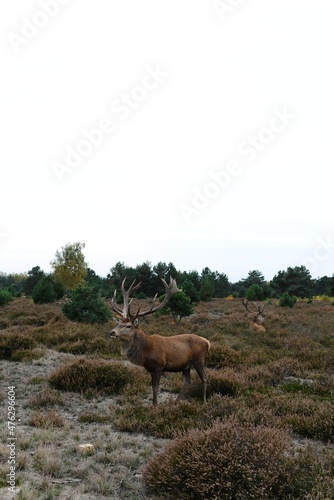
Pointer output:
136, 322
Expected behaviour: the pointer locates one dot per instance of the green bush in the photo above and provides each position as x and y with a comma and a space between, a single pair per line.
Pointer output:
255, 292
5, 296
189, 289
44, 292
180, 306
86, 306
96, 375
287, 300
207, 290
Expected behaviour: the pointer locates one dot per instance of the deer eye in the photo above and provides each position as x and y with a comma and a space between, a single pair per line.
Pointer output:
128, 326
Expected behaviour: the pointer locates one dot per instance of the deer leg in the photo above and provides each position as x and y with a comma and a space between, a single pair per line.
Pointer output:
155, 385
186, 383
200, 371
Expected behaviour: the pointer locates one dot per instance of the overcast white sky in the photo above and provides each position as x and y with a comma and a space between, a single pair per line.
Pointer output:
216, 133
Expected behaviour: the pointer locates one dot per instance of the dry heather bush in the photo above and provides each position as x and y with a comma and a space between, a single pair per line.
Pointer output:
168, 419
233, 461
46, 420
285, 367
27, 355
92, 417
221, 356
85, 345
45, 398
224, 462
13, 341
22, 311
164, 420
306, 416
85, 375
228, 382
313, 419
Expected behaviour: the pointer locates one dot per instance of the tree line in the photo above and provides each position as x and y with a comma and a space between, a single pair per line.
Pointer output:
70, 269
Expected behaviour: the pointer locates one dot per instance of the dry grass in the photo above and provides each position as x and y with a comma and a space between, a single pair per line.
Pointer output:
73, 387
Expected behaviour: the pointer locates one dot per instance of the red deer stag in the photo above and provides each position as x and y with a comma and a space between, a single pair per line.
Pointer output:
258, 319
156, 353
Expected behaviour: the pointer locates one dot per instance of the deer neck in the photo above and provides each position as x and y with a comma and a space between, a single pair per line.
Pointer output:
135, 351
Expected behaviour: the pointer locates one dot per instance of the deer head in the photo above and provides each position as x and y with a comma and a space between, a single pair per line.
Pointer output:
258, 319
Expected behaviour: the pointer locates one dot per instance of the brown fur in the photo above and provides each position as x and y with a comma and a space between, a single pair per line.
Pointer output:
256, 327
159, 354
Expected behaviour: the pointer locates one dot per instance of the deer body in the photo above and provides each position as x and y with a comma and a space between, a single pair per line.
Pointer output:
257, 327
158, 354
258, 319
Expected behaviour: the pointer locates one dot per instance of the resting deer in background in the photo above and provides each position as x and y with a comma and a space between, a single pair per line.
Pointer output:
156, 353
258, 319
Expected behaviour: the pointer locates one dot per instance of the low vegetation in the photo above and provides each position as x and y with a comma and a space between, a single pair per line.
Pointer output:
84, 375
231, 460
266, 430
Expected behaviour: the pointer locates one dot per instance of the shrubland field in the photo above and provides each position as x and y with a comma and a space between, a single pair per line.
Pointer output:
266, 431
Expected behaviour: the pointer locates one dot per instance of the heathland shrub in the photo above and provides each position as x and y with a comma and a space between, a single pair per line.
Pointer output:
231, 461
221, 356
11, 342
159, 421
227, 382
46, 419
45, 399
83, 375
86, 306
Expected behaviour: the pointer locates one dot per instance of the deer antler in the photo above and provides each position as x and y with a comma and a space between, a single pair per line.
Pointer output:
259, 307
170, 290
124, 311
